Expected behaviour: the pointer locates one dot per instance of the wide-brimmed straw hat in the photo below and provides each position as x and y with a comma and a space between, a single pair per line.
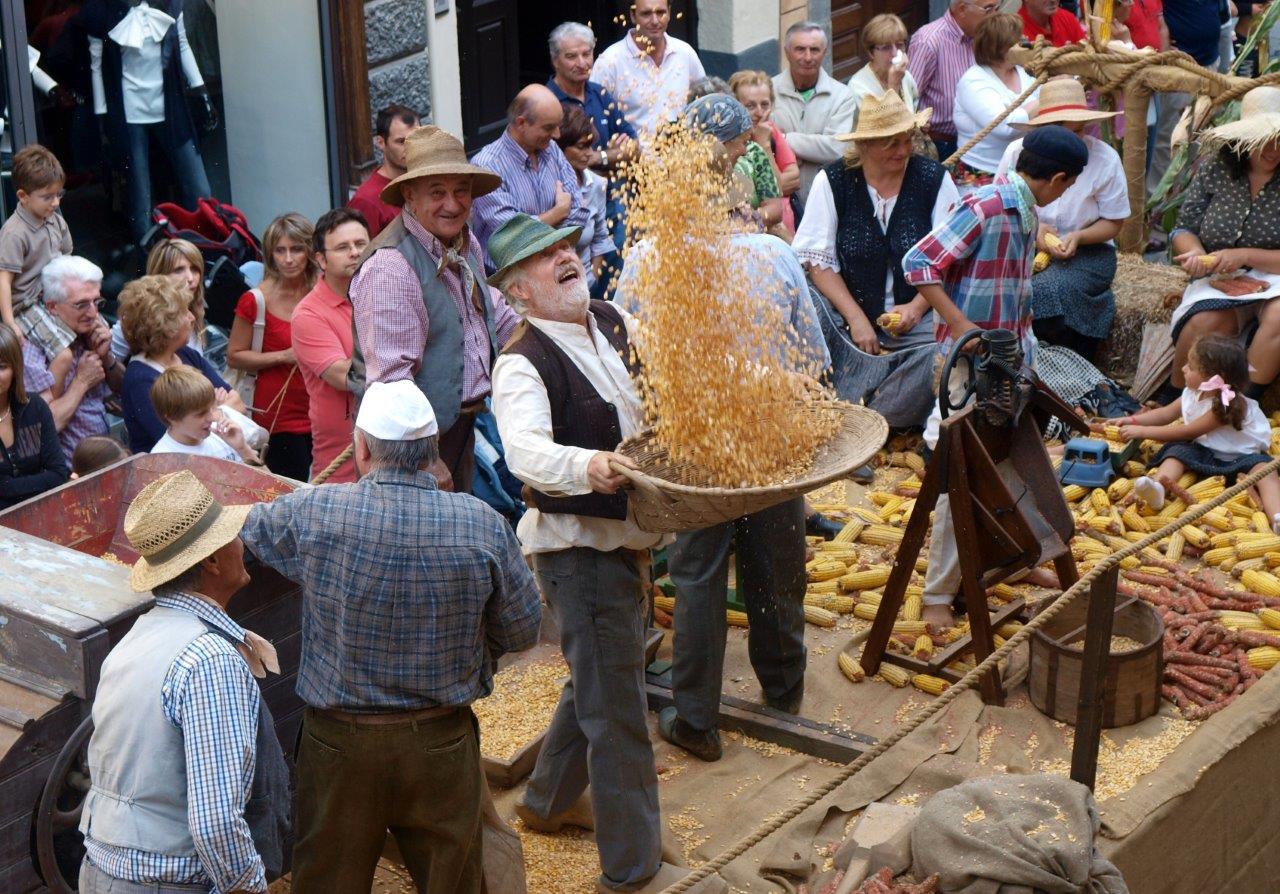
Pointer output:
886, 116
1063, 102
432, 152
173, 523
1259, 122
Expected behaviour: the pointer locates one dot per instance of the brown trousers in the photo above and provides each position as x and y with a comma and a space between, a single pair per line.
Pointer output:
458, 452
420, 780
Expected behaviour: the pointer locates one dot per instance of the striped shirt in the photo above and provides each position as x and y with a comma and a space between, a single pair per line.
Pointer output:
209, 694
410, 593
391, 317
939, 54
90, 417
524, 187
982, 256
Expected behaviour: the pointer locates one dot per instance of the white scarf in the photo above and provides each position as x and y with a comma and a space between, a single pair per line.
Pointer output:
140, 24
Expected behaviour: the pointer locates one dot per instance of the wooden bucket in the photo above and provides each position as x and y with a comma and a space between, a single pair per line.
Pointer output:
1132, 691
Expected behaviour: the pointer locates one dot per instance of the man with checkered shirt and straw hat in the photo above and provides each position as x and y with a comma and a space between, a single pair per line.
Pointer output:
183, 743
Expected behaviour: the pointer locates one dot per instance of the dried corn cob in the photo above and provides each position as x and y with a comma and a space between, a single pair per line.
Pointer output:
1135, 522
1270, 617
664, 602
1235, 620
1074, 492
1173, 551
824, 569
1120, 488
819, 616
1263, 657
1041, 261
929, 684
852, 528
889, 322
868, 579
893, 675
850, 668
881, 535
923, 647
1099, 500
913, 607
1261, 582
1249, 549
736, 618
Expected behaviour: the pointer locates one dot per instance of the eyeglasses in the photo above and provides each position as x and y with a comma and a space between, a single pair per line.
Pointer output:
985, 9
85, 306
882, 47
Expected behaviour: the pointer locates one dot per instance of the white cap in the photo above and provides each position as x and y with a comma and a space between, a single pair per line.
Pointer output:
396, 411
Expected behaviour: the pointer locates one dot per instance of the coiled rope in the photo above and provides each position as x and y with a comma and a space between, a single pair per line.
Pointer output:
967, 682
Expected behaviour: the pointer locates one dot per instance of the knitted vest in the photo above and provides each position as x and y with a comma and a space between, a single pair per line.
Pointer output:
440, 370
580, 417
864, 250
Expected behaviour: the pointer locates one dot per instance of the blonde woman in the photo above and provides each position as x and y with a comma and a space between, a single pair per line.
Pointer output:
884, 43
280, 403
754, 89
155, 314
181, 260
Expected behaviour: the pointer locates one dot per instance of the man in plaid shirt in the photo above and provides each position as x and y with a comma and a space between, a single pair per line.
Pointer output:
410, 594
975, 271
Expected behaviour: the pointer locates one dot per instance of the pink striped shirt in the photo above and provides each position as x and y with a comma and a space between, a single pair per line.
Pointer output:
939, 54
391, 317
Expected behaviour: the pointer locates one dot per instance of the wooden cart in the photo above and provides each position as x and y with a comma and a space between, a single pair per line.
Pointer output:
62, 608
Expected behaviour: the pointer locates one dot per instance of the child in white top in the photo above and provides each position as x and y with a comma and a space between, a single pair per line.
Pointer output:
185, 400
1222, 432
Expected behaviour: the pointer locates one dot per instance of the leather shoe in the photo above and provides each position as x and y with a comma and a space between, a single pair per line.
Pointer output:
790, 703
864, 474
702, 745
818, 525
578, 815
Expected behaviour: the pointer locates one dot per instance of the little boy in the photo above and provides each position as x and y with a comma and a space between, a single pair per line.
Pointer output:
34, 235
975, 271
184, 399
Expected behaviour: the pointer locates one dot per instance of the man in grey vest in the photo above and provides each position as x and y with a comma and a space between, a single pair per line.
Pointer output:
421, 305
182, 743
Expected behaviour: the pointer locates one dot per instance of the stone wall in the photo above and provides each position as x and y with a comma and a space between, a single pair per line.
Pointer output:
396, 47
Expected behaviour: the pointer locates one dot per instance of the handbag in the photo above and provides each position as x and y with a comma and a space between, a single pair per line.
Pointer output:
245, 381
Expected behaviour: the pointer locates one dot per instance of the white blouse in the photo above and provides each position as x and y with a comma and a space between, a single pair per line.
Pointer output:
815, 240
1100, 191
1225, 441
980, 98
139, 35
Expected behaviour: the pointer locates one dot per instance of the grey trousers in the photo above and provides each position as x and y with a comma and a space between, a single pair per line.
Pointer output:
769, 549
599, 734
1169, 108
94, 881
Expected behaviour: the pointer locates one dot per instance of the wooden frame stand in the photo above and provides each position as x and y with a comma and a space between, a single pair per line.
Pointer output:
1004, 522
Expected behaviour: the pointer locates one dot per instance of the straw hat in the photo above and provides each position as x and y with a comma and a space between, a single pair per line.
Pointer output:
522, 237
885, 116
432, 152
1063, 102
1259, 120
173, 523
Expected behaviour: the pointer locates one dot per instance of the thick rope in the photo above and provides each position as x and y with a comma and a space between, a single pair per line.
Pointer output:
967, 682
333, 467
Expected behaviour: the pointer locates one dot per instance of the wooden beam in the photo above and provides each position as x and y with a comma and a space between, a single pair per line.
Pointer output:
351, 81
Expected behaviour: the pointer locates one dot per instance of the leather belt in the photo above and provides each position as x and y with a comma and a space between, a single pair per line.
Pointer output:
475, 408
387, 718
941, 137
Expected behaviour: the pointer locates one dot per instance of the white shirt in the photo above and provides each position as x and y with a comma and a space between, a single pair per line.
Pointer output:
980, 98
139, 35
211, 446
864, 83
523, 411
1225, 441
595, 233
1099, 192
649, 94
815, 240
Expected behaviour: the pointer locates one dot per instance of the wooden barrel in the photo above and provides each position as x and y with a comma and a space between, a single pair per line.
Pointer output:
1132, 690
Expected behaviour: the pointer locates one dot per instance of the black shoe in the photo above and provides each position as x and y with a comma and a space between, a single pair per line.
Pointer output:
703, 745
864, 474
789, 704
818, 525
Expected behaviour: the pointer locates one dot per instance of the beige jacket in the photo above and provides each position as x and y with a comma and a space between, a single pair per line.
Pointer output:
811, 126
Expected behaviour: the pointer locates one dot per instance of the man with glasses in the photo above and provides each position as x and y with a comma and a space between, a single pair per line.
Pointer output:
940, 53
72, 288
322, 338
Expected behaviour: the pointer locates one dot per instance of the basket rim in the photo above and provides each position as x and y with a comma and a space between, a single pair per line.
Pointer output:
872, 417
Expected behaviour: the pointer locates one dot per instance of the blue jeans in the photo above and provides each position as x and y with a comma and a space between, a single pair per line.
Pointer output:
188, 168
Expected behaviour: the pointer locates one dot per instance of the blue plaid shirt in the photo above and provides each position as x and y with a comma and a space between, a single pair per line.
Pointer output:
209, 694
409, 592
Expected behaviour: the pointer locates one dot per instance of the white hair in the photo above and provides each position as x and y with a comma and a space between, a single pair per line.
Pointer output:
54, 276
804, 28
570, 31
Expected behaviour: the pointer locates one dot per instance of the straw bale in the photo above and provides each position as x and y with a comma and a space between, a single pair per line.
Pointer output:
1141, 288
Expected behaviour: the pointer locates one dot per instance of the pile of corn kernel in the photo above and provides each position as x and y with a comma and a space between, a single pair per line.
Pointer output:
520, 707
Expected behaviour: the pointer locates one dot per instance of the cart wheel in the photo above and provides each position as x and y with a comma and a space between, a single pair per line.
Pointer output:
59, 844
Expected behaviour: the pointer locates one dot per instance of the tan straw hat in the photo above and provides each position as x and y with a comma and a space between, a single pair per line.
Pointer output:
885, 116
432, 152
173, 523
1259, 122
1063, 101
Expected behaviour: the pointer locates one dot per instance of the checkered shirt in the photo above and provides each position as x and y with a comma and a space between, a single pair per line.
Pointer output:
90, 418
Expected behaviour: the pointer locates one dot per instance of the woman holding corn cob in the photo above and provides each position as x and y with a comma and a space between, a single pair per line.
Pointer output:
1071, 296
863, 214
1212, 429
1230, 224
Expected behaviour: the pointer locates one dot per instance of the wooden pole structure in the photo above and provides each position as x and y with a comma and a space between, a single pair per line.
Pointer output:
1137, 99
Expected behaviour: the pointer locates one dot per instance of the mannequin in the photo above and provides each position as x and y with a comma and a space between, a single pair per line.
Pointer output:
139, 60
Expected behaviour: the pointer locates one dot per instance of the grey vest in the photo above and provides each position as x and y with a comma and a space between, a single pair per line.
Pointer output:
136, 759
440, 370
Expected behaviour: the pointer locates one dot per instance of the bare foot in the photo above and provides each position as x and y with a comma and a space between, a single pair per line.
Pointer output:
939, 617
1042, 577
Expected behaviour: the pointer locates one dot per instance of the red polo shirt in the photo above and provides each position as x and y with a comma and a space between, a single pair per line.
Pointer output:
368, 201
1144, 23
322, 337
1064, 28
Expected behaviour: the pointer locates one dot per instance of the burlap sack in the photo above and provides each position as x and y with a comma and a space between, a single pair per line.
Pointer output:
1014, 835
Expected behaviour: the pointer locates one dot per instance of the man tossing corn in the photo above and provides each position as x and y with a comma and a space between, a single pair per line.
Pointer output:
564, 399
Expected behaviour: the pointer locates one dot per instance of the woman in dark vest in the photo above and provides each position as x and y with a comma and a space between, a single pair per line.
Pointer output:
862, 215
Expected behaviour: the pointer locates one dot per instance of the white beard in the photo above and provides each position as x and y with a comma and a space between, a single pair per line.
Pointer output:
564, 302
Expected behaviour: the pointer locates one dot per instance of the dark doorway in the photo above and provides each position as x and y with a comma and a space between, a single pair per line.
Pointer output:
499, 51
